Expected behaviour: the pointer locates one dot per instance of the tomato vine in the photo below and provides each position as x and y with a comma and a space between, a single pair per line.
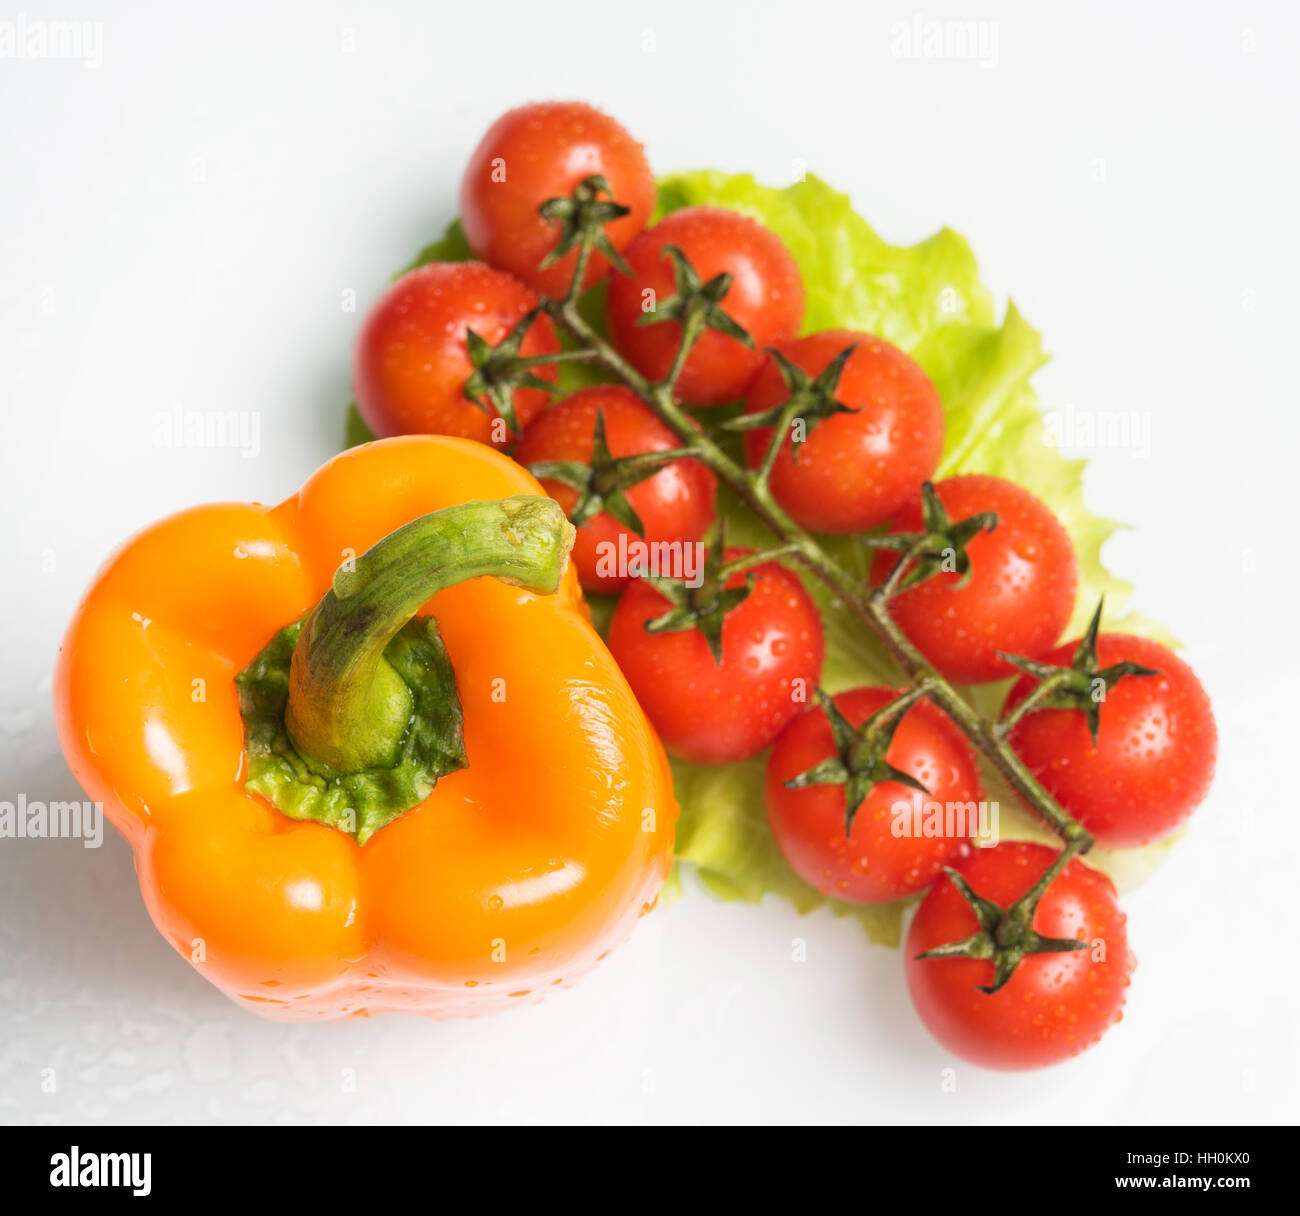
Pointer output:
698, 307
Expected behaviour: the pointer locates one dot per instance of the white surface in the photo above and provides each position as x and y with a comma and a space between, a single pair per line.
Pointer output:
177, 228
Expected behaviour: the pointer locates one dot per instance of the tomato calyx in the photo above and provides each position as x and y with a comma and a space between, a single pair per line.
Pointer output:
939, 549
602, 484
810, 401
706, 605
696, 304
1082, 686
500, 369
581, 219
860, 760
1006, 935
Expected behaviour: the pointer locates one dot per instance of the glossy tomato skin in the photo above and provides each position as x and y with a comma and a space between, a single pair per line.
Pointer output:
1055, 1005
873, 865
677, 503
542, 151
1021, 591
772, 652
1155, 753
766, 298
411, 361
854, 470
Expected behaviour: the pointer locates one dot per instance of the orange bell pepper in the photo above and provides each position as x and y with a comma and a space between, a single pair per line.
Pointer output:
546, 835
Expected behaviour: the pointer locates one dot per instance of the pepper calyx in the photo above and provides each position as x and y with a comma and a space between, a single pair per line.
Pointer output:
860, 760
939, 548
361, 802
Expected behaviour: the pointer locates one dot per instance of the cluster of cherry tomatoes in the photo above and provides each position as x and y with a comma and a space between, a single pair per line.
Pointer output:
862, 464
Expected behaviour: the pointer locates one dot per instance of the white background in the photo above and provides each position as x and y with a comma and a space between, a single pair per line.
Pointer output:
177, 228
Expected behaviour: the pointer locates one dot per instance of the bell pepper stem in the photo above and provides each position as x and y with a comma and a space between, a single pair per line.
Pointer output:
348, 709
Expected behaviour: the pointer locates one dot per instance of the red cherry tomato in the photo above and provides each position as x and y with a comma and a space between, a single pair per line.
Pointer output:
891, 853
1155, 751
853, 470
1021, 589
411, 359
772, 651
674, 504
538, 152
765, 298
1054, 1005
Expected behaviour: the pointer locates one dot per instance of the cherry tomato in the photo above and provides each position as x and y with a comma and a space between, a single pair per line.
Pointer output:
542, 151
772, 651
892, 851
1155, 751
1021, 590
765, 298
674, 504
1054, 1005
412, 362
853, 471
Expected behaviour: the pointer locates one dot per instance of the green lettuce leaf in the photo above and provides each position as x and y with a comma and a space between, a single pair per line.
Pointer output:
928, 300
